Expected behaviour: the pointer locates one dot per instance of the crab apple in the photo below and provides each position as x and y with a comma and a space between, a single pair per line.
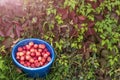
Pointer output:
32, 50
43, 60
32, 65
42, 46
24, 47
27, 57
36, 61
21, 53
17, 57
28, 47
45, 50
28, 53
21, 62
46, 63
45, 55
41, 63
48, 53
36, 50
37, 64
49, 59
22, 58
24, 51
31, 43
38, 54
18, 53
32, 54
28, 64
39, 58
20, 49
25, 64
40, 50
35, 58
31, 60
35, 46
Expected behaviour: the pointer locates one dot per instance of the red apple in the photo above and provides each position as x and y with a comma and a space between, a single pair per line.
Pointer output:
28, 53
32, 50
18, 53
41, 63
24, 47
43, 60
28, 47
32, 54
27, 57
41, 46
28, 64
40, 50
45, 55
35, 46
48, 53
21, 62
32, 66
17, 57
49, 59
21, 53
39, 58
31, 60
31, 43
37, 64
22, 58
20, 49
38, 54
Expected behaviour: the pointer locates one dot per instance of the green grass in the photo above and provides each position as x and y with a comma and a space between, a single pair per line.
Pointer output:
67, 66
61, 69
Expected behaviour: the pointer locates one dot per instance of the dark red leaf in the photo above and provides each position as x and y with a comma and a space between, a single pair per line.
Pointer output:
15, 22
19, 27
99, 17
73, 33
100, 1
87, 43
7, 42
1, 33
72, 14
95, 5
75, 20
82, 18
63, 12
0, 20
56, 2
90, 31
79, 26
65, 16
25, 24
9, 30
18, 30
91, 24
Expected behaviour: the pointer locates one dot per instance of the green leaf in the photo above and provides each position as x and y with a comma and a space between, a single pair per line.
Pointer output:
74, 45
91, 17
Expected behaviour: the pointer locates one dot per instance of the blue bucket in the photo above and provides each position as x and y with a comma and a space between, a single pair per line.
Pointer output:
33, 72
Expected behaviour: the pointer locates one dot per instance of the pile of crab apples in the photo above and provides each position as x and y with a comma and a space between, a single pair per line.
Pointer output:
33, 55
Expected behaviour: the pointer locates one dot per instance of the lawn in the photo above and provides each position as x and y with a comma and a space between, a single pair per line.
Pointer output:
85, 35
